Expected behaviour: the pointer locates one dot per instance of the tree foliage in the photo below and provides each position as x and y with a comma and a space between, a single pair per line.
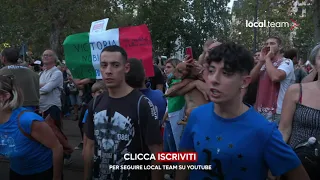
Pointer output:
45, 24
301, 37
207, 19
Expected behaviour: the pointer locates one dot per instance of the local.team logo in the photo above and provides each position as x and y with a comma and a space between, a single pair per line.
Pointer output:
294, 24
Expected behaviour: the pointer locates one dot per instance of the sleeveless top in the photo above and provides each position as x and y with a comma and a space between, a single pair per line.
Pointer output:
267, 93
306, 123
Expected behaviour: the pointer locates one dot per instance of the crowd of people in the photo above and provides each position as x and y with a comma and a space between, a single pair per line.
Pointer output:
251, 116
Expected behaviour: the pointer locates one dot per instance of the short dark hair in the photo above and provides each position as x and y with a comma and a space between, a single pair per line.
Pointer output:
279, 41
11, 54
235, 57
291, 53
116, 48
136, 76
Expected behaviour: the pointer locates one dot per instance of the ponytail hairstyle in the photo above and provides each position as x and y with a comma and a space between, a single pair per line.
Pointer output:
8, 86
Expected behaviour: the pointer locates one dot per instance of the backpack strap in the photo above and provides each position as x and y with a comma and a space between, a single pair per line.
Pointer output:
139, 124
20, 128
138, 108
94, 103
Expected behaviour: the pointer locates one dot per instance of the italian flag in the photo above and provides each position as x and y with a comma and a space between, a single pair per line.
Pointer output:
82, 51
176, 112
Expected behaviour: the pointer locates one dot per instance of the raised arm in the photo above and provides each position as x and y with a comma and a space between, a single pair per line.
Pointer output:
200, 85
310, 77
280, 73
256, 69
176, 89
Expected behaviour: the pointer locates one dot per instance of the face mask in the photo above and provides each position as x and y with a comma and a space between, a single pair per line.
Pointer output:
170, 76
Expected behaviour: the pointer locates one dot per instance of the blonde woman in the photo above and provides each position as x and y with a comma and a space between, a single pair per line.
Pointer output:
169, 69
26, 140
169, 144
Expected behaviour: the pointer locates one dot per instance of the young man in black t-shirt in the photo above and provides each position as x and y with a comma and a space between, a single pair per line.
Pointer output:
118, 123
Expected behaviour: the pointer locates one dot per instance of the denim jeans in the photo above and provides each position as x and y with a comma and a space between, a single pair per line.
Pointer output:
168, 140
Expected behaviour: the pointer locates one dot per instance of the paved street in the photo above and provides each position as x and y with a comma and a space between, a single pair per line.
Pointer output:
74, 170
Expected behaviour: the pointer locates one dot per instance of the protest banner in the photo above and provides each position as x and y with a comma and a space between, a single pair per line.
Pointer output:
98, 26
82, 51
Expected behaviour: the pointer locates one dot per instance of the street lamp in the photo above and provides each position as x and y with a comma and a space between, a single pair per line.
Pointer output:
255, 28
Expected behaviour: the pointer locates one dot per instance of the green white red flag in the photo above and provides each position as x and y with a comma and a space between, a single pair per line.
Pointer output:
82, 51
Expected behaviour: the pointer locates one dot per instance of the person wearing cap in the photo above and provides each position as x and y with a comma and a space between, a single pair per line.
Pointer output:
25, 77
37, 66
37, 62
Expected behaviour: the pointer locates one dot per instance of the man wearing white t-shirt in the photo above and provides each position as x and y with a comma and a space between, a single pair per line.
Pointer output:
275, 74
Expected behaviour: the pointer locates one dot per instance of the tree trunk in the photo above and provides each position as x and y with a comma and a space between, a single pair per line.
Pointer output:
316, 20
55, 38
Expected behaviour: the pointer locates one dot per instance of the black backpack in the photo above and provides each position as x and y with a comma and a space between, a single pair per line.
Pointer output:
309, 155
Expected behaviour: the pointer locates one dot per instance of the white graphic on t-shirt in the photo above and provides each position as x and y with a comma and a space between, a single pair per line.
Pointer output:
153, 109
7, 146
156, 112
16, 67
113, 136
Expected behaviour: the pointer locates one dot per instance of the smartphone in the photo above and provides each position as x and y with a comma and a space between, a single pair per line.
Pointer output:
163, 60
189, 52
